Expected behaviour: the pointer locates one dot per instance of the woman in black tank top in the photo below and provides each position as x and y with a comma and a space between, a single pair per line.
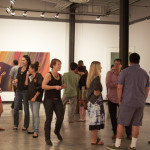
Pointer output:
52, 84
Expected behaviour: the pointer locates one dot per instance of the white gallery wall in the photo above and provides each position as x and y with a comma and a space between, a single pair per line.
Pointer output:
92, 42
35, 36
140, 40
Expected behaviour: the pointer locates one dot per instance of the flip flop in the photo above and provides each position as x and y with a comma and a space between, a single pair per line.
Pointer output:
2, 129
15, 128
98, 142
24, 129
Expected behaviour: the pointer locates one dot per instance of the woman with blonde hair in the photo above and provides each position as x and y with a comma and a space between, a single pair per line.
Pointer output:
95, 102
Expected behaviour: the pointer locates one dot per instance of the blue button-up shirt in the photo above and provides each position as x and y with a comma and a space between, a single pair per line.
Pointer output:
134, 80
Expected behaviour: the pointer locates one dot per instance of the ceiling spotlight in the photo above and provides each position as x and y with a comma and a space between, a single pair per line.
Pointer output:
25, 14
13, 13
12, 2
8, 9
42, 15
57, 16
98, 18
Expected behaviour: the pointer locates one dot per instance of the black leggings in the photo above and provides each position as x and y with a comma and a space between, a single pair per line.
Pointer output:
51, 105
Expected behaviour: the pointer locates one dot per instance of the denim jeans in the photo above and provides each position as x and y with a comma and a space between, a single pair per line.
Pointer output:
51, 105
35, 107
18, 101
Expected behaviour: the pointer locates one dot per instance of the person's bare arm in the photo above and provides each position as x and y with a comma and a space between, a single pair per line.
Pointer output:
35, 96
119, 92
47, 78
27, 78
147, 91
83, 90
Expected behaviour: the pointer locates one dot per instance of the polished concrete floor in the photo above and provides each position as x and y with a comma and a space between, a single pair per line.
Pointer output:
76, 135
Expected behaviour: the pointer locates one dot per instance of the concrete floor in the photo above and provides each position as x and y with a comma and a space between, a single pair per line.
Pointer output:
76, 136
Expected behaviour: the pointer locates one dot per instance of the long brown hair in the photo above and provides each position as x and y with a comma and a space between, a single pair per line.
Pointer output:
93, 72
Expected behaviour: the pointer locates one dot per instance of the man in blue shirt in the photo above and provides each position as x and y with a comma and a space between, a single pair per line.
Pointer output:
132, 91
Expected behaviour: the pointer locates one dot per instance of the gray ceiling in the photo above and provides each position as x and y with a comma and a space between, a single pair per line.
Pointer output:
109, 9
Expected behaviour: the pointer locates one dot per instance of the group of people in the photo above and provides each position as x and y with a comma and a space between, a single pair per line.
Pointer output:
127, 90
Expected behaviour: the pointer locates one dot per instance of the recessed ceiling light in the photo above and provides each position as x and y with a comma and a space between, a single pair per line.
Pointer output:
25, 14
12, 2
8, 9
13, 13
42, 15
98, 18
57, 16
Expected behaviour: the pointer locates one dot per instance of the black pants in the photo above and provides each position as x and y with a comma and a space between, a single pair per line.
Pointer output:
12, 105
51, 105
113, 116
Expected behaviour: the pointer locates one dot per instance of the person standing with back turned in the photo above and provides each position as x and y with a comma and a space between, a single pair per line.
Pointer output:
132, 91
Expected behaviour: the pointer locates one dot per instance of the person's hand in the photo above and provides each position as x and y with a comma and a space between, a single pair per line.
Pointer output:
119, 102
33, 99
3, 73
58, 87
0, 89
14, 81
63, 86
27, 73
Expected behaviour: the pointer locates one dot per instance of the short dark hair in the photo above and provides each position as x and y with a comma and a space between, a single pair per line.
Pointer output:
82, 69
80, 63
134, 58
15, 62
53, 62
73, 66
112, 66
118, 59
35, 66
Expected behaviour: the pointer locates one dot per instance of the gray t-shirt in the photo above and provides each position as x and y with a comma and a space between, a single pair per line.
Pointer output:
13, 72
134, 80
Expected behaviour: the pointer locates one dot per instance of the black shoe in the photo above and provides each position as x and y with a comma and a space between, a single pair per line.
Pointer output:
58, 136
30, 132
35, 136
48, 142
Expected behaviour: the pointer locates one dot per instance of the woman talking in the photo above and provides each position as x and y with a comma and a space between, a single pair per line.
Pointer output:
52, 84
21, 93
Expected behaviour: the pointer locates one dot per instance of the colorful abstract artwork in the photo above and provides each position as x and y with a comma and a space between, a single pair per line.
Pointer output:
6, 63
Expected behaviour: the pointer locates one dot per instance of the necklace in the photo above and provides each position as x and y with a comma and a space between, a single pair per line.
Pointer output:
56, 76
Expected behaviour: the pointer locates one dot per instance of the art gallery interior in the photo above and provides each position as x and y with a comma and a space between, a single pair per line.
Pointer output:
96, 38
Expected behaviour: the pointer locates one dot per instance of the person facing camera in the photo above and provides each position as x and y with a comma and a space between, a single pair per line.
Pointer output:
52, 84
34, 95
21, 93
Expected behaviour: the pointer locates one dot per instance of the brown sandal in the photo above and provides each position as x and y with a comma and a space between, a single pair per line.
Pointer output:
98, 142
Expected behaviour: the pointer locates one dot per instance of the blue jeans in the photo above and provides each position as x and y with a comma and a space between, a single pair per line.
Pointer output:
35, 107
18, 102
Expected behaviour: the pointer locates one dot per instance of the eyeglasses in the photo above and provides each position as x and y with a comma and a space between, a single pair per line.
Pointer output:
116, 63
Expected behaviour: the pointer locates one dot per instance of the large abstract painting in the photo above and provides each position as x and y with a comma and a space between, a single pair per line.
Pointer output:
6, 63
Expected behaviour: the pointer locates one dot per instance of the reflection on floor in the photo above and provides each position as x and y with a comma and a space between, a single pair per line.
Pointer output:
76, 135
